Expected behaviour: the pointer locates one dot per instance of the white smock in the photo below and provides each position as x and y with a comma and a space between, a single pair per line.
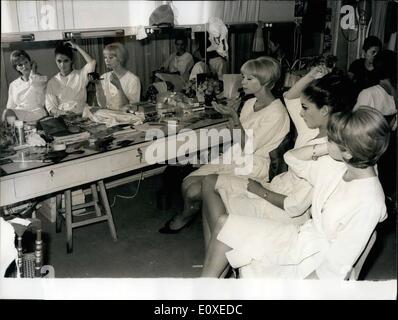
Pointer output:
298, 191
376, 97
182, 64
68, 94
344, 215
269, 126
131, 86
26, 98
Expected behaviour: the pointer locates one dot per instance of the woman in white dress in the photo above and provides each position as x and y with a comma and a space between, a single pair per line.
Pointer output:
26, 93
310, 103
263, 117
348, 202
181, 61
66, 91
119, 87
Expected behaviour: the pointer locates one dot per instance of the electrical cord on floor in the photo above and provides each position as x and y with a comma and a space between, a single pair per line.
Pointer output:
129, 197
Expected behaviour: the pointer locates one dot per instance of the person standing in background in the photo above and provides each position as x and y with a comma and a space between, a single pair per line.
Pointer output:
180, 62
361, 71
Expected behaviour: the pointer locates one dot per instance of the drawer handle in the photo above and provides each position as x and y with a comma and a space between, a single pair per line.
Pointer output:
52, 173
140, 154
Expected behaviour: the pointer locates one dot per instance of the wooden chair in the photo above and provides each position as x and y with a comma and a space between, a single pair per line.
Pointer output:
277, 164
99, 203
356, 269
30, 264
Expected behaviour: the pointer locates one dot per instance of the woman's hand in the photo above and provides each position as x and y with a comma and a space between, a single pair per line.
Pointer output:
33, 65
72, 44
115, 81
256, 188
228, 110
318, 72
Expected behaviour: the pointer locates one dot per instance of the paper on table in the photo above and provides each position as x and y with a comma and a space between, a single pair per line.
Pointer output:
175, 79
20, 221
232, 82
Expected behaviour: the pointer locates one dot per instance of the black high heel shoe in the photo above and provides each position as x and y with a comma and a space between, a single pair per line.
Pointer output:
167, 230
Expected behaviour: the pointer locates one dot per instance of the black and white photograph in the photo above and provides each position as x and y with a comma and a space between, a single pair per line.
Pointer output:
198, 150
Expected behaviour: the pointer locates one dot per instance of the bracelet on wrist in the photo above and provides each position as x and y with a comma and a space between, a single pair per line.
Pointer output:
314, 155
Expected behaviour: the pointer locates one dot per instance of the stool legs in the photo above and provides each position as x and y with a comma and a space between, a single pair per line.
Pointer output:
58, 216
108, 211
94, 193
68, 218
103, 212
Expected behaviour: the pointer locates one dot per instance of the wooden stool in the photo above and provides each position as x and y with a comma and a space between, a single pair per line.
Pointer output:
102, 210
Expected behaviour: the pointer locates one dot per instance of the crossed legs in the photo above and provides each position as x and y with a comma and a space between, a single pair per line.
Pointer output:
192, 195
214, 217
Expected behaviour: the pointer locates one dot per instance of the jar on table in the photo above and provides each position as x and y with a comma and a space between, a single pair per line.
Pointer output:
19, 132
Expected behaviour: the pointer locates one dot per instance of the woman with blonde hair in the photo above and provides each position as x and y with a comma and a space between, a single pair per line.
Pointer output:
347, 204
264, 116
118, 87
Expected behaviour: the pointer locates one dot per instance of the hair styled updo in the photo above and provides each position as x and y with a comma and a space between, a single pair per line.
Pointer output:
333, 90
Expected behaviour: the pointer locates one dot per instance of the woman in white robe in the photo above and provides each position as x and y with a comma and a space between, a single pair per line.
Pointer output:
289, 196
263, 118
347, 204
66, 91
26, 93
119, 87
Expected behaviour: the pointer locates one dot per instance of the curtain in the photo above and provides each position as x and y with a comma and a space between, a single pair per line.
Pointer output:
379, 12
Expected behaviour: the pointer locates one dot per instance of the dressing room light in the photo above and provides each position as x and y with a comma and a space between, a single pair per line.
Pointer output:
17, 37
93, 34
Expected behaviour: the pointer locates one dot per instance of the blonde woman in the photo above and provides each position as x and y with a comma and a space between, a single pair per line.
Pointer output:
118, 87
348, 202
264, 115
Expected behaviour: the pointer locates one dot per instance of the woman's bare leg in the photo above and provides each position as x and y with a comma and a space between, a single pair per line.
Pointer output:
212, 206
215, 259
192, 194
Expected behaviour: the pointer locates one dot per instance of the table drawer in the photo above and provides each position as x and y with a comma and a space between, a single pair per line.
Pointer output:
46, 181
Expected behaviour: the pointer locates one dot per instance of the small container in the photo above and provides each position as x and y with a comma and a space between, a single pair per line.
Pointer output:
19, 132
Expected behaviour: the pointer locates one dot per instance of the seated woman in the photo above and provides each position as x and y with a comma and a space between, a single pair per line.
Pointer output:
26, 94
383, 95
66, 91
362, 70
316, 97
264, 116
347, 204
118, 87
181, 61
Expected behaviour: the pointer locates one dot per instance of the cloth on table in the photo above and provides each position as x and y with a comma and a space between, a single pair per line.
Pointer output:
8, 252
112, 117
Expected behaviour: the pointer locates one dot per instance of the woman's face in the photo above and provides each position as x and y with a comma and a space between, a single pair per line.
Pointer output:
111, 60
334, 151
312, 116
64, 64
24, 66
180, 47
371, 53
250, 84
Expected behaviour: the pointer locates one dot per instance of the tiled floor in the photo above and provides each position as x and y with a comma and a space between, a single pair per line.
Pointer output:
142, 252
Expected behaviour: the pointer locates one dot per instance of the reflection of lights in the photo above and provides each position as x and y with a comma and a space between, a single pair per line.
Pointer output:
17, 37
94, 34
